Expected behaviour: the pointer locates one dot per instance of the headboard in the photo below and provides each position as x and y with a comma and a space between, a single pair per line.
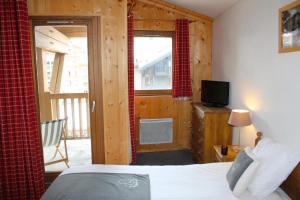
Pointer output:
291, 185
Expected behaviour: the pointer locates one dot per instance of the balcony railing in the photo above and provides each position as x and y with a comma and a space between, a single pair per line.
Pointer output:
74, 107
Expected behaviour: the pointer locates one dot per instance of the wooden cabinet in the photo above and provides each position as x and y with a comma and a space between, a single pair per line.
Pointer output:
210, 127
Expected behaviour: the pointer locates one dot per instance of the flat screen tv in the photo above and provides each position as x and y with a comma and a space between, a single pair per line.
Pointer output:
215, 93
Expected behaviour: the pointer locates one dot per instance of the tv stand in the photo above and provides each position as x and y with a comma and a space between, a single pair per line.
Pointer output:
209, 128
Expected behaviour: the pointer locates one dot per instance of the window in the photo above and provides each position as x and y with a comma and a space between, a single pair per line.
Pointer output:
153, 54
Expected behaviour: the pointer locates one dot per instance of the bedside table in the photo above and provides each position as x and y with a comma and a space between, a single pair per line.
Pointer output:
231, 154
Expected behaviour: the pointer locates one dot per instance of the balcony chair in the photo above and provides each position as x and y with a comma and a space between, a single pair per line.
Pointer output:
52, 132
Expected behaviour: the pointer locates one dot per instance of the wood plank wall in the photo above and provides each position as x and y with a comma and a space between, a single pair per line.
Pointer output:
112, 59
113, 45
200, 58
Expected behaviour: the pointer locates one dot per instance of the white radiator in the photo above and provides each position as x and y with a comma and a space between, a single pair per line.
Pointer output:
156, 131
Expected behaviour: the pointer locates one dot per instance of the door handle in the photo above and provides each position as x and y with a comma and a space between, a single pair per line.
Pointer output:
93, 106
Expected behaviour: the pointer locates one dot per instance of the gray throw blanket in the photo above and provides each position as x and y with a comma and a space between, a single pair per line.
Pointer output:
100, 186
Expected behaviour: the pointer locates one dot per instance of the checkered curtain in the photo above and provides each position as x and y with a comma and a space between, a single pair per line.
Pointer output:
181, 72
21, 161
131, 84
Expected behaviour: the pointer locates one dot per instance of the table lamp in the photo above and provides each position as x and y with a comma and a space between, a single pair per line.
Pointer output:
239, 118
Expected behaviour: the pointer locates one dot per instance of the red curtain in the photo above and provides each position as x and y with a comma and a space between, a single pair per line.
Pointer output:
131, 84
181, 72
21, 160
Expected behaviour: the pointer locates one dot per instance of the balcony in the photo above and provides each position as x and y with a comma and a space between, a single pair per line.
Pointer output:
63, 83
75, 108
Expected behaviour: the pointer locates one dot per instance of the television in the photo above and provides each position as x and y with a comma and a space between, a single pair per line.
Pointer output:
215, 93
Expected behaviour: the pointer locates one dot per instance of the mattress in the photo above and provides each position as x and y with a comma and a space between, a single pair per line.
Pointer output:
184, 182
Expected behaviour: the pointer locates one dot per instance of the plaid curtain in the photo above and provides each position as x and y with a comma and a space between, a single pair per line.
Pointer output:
181, 72
131, 84
21, 161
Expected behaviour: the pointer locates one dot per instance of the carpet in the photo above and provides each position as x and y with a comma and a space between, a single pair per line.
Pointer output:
180, 157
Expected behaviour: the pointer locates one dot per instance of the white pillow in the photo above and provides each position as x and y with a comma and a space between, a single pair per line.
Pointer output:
247, 176
276, 163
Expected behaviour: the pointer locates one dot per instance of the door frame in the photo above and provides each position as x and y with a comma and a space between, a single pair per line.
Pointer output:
94, 71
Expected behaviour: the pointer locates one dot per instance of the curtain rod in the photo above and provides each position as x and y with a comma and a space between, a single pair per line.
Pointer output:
168, 20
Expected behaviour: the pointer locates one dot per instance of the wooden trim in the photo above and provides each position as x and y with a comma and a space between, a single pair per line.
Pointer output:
289, 6
96, 91
281, 10
178, 9
148, 33
291, 185
152, 92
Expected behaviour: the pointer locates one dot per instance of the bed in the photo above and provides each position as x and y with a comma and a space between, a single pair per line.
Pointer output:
187, 182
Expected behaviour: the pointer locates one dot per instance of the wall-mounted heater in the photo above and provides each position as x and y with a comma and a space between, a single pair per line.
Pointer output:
156, 131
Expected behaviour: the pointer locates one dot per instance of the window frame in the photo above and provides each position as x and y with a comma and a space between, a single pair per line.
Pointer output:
148, 33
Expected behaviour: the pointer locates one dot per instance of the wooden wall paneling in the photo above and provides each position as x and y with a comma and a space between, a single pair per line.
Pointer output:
183, 116
113, 13
200, 55
152, 107
149, 107
112, 59
160, 16
115, 84
200, 35
171, 8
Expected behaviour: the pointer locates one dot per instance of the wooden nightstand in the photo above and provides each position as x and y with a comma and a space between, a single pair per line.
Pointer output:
232, 153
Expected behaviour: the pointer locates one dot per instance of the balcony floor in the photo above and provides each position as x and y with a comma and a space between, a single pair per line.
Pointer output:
79, 152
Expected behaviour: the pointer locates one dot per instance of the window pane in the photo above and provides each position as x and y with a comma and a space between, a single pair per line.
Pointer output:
153, 63
75, 73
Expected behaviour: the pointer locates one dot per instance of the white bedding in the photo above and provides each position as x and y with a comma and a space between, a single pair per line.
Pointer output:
184, 182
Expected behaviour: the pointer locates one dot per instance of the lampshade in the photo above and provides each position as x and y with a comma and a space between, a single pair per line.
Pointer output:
239, 118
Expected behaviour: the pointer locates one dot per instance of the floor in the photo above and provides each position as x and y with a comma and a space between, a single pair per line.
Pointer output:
79, 152
180, 157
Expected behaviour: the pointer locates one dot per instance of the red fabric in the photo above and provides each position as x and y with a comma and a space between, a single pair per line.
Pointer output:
131, 85
21, 160
181, 72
